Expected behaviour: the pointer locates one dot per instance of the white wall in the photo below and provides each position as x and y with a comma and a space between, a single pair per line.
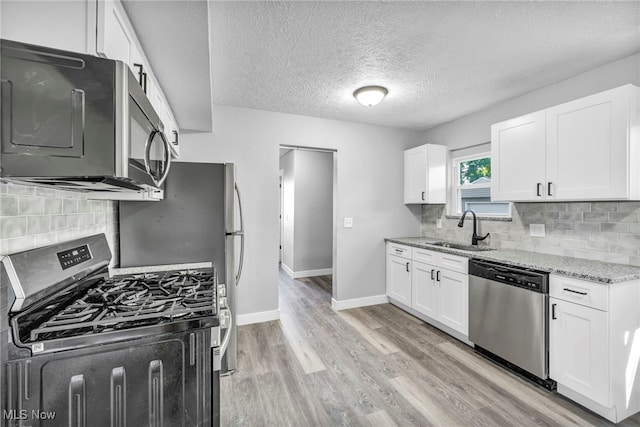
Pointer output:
476, 128
369, 189
308, 212
313, 211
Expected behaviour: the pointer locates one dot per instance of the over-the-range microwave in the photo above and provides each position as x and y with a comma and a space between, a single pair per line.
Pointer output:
78, 122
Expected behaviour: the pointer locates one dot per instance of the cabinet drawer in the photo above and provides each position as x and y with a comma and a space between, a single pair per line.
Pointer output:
424, 255
590, 294
399, 250
454, 263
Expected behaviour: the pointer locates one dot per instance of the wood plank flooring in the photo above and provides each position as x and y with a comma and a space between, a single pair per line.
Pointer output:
375, 366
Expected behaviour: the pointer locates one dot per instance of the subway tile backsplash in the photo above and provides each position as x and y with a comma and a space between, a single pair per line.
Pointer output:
602, 231
31, 217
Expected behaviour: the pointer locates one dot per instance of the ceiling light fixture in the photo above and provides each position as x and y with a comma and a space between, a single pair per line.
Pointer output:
370, 95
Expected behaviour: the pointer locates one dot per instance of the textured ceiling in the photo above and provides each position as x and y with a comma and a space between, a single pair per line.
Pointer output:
175, 37
439, 60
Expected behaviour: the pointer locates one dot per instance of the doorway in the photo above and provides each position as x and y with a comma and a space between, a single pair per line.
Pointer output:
307, 212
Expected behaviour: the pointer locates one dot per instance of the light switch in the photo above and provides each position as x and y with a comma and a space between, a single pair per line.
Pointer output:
536, 230
439, 223
348, 223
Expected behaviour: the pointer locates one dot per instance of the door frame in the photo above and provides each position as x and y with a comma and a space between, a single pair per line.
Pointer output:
281, 179
334, 257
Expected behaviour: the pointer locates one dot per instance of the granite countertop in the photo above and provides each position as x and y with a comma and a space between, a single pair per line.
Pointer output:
596, 271
155, 268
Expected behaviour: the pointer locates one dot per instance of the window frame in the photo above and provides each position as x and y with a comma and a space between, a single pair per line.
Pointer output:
455, 191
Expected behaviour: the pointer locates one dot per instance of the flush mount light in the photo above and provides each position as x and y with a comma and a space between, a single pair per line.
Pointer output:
370, 95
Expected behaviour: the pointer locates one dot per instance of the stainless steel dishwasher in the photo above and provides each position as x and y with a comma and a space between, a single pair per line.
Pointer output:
508, 317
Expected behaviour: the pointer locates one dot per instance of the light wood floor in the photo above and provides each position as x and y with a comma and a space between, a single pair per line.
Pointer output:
374, 366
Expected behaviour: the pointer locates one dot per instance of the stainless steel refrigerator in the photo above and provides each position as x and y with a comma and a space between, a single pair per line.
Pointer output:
199, 220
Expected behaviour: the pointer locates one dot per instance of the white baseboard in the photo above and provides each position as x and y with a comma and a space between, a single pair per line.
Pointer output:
306, 273
287, 270
264, 316
358, 302
312, 273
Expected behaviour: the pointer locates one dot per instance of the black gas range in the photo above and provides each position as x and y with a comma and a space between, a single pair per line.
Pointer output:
86, 349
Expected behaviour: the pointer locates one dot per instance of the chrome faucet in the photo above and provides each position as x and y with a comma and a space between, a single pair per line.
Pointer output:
475, 238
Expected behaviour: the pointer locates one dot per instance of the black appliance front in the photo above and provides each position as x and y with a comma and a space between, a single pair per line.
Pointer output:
159, 381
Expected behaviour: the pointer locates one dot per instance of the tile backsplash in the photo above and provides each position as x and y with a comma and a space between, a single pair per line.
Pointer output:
602, 231
31, 217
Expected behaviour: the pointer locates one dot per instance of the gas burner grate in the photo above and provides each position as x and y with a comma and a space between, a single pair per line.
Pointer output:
126, 302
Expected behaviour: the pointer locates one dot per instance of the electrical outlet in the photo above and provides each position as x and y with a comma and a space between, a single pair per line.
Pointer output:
536, 230
439, 223
348, 223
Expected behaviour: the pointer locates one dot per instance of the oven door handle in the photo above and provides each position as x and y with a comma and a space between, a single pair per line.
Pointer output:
227, 337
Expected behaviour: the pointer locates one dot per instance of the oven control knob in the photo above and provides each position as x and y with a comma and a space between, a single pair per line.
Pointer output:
222, 302
222, 290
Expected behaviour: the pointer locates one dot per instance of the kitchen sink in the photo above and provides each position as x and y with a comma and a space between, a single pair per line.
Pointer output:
461, 246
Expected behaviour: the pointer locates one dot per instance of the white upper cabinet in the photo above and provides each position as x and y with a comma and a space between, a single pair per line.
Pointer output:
425, 174
591, 149
66, 25
518, 158
114, 34
93, 27
587, 149
116, 39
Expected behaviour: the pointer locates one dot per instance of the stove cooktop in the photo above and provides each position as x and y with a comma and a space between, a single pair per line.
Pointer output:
100, 305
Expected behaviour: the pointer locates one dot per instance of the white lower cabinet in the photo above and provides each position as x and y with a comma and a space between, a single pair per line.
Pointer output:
594, 344
399, 273
453, 300
579, 355
438, 287
424, 288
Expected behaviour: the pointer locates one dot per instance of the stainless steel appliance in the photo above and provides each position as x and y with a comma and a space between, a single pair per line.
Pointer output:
508, 312
81, 348
200, 219
78, 122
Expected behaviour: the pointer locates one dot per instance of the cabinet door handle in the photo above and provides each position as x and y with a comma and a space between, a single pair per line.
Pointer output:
407, 267
141, 74
538, 187
423, 195
549, 188
142, 77
575, 292
553, 311
438, 276
432, 271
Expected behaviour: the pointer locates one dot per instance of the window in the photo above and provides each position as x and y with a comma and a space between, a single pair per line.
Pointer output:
472, 187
